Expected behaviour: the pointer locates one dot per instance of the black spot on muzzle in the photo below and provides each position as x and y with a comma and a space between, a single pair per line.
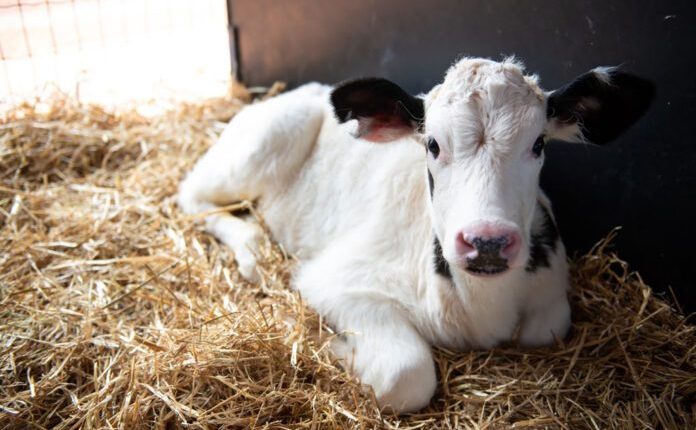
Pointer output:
488, 260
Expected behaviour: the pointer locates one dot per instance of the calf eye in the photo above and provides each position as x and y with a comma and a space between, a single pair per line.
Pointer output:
433, 147
538, 146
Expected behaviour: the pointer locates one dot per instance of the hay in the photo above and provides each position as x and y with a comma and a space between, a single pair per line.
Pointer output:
117, 311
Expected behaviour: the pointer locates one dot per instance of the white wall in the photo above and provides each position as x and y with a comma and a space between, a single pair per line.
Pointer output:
114, 50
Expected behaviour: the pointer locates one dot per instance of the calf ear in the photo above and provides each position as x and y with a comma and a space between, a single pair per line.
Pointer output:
598, 106
384, 111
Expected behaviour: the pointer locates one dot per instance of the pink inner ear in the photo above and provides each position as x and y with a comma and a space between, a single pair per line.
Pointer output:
383, 128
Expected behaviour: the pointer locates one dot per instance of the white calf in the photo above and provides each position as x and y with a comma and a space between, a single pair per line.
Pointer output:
402, 247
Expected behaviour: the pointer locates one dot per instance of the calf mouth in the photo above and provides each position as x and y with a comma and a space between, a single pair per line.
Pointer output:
484, 271
486, 265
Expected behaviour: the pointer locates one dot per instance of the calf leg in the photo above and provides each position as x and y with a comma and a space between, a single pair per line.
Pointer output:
547, 320
546, 314
382, 347
262, 147
377, 341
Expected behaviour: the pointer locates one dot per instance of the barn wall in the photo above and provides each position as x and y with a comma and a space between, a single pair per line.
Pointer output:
645, 181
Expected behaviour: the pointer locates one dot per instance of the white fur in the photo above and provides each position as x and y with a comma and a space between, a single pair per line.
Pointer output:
603, 73
359, 217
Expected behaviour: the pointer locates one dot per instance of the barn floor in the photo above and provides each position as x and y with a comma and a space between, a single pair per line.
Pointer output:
117, 311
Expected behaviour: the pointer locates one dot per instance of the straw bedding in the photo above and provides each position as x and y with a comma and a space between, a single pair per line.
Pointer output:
117, 311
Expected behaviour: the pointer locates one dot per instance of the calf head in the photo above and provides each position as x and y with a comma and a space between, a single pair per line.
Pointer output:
484, 129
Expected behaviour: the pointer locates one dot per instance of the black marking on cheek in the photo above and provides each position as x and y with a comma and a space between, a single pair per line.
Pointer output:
441, 265
544, 242
431, 183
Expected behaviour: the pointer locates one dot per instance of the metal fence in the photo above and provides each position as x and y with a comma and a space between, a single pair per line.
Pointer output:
114, 49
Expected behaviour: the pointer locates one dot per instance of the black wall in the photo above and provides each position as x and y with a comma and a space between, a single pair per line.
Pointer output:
645, 181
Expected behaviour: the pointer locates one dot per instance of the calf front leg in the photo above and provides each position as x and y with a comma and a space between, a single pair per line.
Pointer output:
377, 340
545, 321
384, 350
546, 312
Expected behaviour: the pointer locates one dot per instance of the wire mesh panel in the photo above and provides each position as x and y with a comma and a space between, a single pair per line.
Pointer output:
114, 50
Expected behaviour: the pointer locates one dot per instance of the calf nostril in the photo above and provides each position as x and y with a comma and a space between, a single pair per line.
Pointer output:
463, 246
509, 242
511, 246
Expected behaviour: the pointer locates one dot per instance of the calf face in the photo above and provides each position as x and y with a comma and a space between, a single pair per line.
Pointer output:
484, 129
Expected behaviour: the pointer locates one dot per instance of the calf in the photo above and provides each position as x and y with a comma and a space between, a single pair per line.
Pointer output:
418, 221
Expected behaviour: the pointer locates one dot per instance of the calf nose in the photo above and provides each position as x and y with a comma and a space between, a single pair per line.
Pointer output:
487, 250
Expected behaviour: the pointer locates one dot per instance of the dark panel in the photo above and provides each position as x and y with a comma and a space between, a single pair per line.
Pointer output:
645, 181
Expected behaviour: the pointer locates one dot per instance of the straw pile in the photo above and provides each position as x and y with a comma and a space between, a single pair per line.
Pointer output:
117, 311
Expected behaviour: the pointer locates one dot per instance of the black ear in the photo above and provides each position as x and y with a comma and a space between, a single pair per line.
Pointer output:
384, 111
600, 105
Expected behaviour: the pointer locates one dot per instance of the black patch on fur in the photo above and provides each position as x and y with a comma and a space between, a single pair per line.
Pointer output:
543, 242
431, 183
376, 97
441, 265
604, 110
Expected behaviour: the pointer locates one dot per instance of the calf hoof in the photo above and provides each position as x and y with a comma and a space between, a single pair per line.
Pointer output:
409, 389
246, 266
